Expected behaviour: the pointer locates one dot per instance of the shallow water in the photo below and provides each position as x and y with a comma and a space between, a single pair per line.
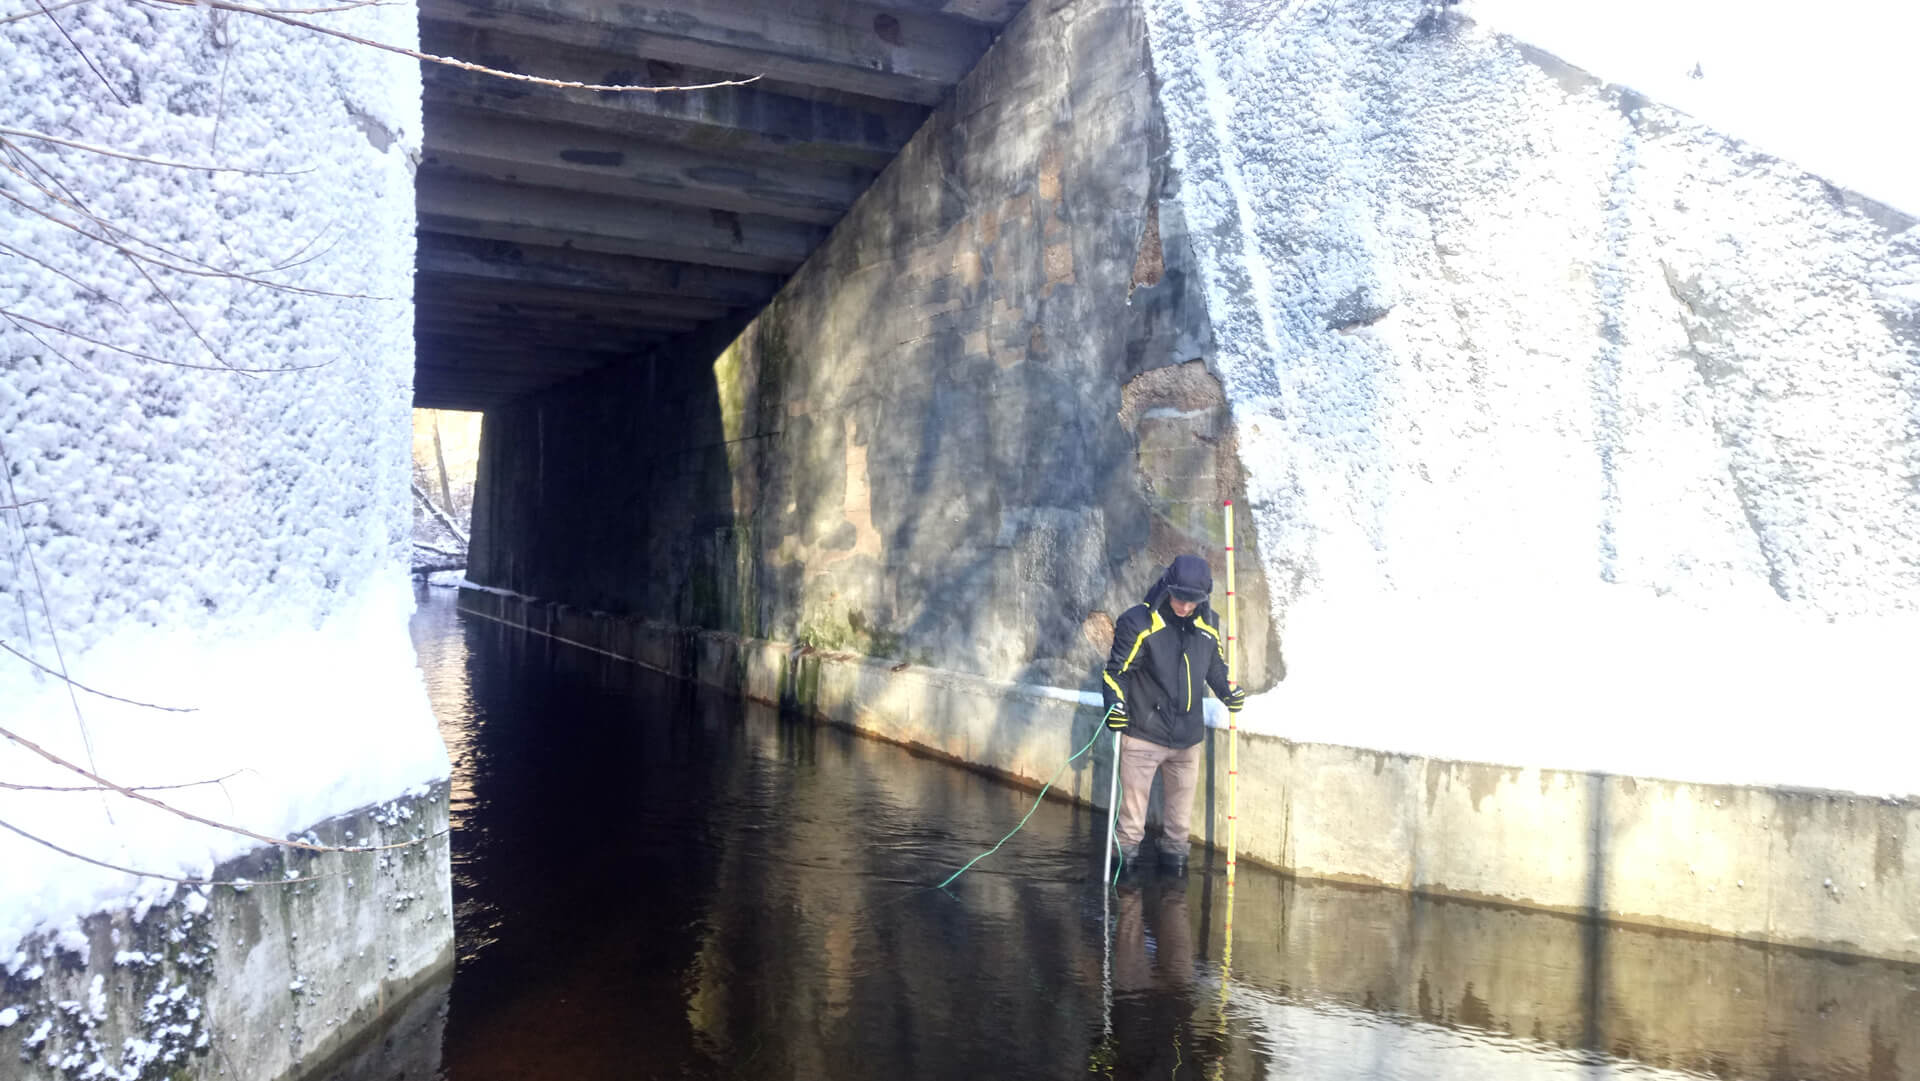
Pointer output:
656, 882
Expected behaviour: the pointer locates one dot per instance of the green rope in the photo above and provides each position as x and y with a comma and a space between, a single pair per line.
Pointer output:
1097, 731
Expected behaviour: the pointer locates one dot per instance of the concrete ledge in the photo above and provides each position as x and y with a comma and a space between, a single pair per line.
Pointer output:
1819, 870
265, 982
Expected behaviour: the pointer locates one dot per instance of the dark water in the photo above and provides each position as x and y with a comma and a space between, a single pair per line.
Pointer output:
656, 883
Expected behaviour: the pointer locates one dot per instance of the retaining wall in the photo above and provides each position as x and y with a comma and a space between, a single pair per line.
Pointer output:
264, 982
1819, 870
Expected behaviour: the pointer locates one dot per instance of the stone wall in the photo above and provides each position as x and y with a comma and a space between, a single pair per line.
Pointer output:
967, 434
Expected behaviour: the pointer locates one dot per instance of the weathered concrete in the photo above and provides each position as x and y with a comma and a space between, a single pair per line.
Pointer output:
1819, 870
263, 982
968, 433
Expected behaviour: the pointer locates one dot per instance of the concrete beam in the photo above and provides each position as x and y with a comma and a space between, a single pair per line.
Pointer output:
989, 13
542, 334
492, 147
776, 121
616, 226
858, 47
429, 288
443, 255
622, 316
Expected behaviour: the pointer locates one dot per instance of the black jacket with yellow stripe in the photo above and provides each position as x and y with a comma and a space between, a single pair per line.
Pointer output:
1162, 665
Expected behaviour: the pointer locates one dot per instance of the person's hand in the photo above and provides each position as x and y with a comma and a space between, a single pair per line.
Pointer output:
1234, 699
1117, 716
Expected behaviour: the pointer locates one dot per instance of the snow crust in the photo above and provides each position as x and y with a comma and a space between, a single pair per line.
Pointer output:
1578, 434
199, 538
1812, 90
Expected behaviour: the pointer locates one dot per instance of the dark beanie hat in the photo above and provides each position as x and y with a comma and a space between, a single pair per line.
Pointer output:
1189, 578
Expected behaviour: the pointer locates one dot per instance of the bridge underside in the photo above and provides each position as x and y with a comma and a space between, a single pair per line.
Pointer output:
562, 231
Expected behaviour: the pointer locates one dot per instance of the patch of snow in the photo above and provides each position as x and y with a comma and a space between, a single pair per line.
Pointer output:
9, 1016
1811, 90
1577, 435
232, 545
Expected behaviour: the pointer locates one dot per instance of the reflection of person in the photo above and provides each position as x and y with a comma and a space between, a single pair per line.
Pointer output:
1153, 1001
1166, 652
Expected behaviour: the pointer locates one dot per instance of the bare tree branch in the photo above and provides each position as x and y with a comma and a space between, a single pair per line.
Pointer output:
158, 360
452, 62
444, 518
236, 883
49, 267
12, 787
42, 11
49, 347
210, 270
76, 683
23, 133
188, 323
189, 815
53, 633
19, 505
83, 53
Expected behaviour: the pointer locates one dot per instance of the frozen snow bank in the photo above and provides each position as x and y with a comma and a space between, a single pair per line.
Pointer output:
187, 535
1578, 434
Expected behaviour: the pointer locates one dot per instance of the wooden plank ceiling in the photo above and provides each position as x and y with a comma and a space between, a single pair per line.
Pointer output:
563, 230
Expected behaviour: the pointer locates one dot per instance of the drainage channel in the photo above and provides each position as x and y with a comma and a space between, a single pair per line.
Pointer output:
655, 881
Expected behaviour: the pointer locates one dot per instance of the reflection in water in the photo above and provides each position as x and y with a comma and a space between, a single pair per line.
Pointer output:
655, 882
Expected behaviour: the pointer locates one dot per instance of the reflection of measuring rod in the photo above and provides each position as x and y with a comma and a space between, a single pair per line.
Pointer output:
1233, 798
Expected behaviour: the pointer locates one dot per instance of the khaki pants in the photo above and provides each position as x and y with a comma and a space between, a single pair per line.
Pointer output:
1179, 773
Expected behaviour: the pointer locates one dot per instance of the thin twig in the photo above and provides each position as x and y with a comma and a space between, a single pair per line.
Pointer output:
74, 682
49, 347
19, 505
158, 360
189, 815
53, 630
83, 53
211, 271
23, 133
11, 787
452, 62
43, 10
236, 883
167, 298
51, 269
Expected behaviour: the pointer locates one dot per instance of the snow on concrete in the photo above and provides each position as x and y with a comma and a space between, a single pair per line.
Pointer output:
190, 536
1812, 87
1579, 435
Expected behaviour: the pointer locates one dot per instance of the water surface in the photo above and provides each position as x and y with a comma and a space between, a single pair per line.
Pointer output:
652, 881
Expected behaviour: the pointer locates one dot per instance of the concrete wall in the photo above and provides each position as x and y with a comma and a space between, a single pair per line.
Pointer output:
204, 397
263, 982
1822, 870
967, 434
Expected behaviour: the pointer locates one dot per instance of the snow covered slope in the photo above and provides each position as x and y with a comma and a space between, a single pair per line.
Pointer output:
187, 525
1579, 434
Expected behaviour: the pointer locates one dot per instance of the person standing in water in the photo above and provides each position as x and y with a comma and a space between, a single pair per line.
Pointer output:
1167, 651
